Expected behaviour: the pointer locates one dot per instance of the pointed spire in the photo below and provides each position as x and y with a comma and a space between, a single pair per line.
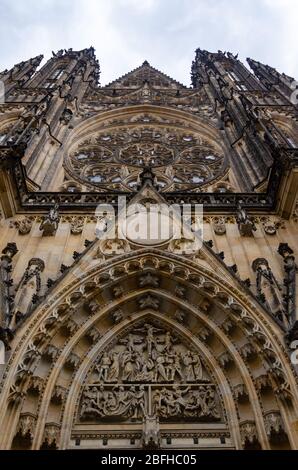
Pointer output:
272, 78
21, 72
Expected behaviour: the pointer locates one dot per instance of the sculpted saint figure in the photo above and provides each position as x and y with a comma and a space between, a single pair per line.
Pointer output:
103, 367
114, 370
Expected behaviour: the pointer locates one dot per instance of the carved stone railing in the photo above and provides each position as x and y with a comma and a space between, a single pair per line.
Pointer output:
211, 201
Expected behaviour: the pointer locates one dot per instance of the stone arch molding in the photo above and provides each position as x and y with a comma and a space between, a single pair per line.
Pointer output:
48, 366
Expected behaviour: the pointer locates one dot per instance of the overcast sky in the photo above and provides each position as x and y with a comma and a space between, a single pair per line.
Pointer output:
165, 32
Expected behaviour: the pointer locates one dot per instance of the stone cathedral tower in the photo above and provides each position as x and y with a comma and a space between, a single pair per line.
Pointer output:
159, 342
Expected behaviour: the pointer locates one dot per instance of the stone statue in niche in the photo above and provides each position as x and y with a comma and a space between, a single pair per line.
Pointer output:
29, 286
50, 222
268, 289
245, 223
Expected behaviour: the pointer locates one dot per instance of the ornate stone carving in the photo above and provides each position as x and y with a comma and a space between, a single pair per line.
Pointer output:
245, 223
240, 392
195, 403
268, 289
93, 334
28, 288
117, 291
180, 291
76, 226
117, 316
149, 279
248, 432
50, 222
219, 226
26, 426
180, 316
72, 361
149, 301
151, 432
24, 225
51, 434
126, 378
181, 160
6, 299
274, 424
270, 227
198, 403
290, 282
36, 383
225, 359
59, 393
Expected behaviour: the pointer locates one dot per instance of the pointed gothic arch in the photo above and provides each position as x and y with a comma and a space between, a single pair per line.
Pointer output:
230, 330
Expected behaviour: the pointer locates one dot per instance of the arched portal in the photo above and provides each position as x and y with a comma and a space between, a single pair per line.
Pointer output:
207, 366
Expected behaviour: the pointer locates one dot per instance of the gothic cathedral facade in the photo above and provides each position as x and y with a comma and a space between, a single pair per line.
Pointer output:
109, 340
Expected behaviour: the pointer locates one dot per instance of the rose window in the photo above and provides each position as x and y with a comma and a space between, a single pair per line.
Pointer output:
114, 161
147, 154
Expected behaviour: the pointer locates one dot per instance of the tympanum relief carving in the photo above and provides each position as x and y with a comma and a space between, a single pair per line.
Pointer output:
149, 372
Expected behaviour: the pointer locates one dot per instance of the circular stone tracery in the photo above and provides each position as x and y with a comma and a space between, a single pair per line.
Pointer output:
181, 159
146, 154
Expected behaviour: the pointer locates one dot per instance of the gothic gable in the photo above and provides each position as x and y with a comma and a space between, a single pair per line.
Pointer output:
145, 73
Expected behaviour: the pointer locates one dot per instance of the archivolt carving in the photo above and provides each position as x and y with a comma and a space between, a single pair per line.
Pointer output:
41, 328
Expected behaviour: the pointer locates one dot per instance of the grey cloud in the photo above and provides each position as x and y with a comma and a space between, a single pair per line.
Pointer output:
165, 32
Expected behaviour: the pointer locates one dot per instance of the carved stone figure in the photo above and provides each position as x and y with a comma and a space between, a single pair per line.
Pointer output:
149, 354
28, 288
6, 299
245, 223
219, 226
190, 361
103, 367
24, 225
290, 282
114, 369
117, 316
268, 289
50, 222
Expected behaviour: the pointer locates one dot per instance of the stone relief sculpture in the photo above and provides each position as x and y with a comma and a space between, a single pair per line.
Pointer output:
149, 372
